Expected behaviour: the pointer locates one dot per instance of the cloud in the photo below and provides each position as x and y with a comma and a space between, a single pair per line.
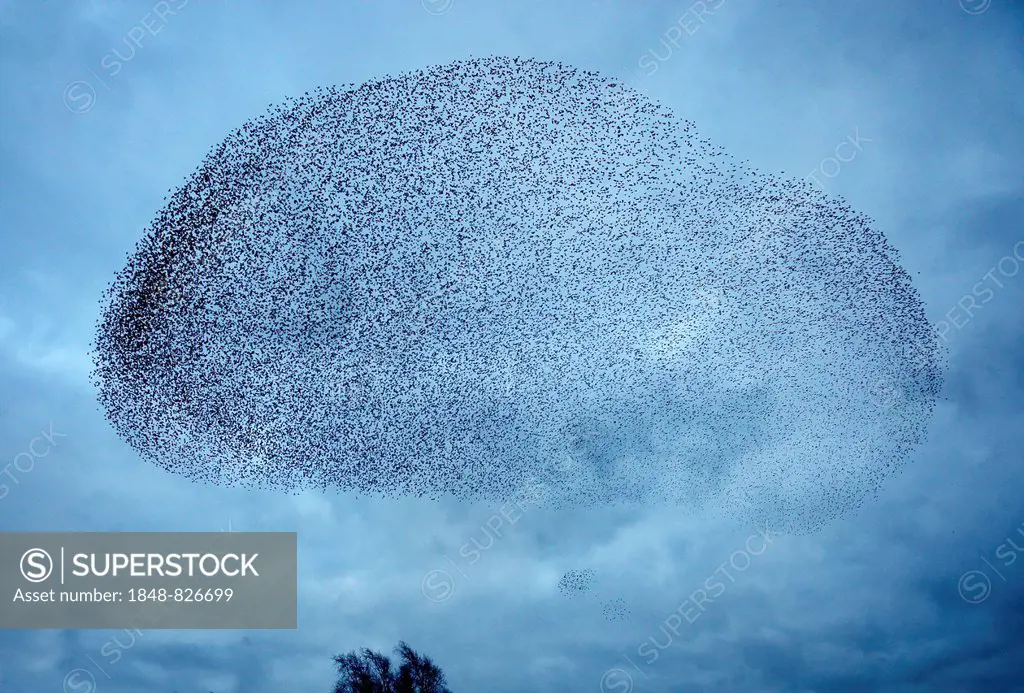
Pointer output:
868, 603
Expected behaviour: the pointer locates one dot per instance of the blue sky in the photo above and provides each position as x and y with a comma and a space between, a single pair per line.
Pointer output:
885, 600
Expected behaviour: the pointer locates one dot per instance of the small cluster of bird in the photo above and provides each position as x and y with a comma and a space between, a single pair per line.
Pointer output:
576, 582
580, 582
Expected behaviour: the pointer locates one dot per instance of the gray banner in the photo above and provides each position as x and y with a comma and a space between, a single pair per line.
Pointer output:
148, 580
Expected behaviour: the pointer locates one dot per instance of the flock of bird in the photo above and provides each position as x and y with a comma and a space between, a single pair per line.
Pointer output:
580, 582
452, 281
576, 582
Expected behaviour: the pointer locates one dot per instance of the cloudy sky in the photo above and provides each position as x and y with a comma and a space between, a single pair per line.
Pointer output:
915, 592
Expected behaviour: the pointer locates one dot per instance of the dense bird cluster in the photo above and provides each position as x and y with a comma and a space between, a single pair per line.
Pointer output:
576, 582
459, 279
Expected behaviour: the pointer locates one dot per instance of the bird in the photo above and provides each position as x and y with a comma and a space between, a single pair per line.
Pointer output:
339, 286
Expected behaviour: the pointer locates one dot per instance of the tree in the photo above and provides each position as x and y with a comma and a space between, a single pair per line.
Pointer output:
372, 672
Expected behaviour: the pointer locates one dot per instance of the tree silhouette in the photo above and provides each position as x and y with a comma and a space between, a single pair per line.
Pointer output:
372, 672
